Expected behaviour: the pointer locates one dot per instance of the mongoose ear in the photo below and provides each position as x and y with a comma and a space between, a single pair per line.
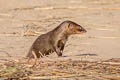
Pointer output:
70, 26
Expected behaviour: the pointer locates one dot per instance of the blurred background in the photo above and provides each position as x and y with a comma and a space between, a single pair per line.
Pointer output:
21, 21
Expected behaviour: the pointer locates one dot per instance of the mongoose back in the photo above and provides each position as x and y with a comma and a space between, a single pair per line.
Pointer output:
55, 40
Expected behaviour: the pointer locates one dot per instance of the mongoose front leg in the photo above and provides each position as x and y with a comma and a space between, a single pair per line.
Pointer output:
60, 47
58, 51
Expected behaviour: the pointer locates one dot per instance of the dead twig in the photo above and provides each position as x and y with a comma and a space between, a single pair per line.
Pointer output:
112, 77
6, 53
51, 77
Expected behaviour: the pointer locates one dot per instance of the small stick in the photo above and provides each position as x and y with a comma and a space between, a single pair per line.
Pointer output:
41, 54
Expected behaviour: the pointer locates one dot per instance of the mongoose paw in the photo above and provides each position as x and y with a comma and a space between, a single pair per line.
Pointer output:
59, 55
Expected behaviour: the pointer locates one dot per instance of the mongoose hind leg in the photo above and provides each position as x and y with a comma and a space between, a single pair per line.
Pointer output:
35, 57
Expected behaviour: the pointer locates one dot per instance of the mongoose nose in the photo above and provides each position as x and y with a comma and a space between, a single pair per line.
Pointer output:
85, 31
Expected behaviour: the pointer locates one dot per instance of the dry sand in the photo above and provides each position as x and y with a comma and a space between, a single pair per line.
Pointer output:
34, 17
21, 21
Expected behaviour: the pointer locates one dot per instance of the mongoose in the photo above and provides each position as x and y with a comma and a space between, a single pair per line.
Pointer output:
55, 40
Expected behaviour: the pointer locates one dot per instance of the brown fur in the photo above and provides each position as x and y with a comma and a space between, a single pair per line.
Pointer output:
55, 40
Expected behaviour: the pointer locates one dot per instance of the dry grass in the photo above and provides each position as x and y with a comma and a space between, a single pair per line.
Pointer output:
59, 69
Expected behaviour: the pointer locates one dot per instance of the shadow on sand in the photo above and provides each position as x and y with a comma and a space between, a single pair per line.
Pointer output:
87, 54
84, 54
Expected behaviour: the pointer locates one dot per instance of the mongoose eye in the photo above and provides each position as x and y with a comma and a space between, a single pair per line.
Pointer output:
79, 29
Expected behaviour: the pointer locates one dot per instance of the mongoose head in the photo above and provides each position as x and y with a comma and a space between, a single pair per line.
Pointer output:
74, 28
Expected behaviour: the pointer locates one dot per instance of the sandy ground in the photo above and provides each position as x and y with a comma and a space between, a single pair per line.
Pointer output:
34, 17
21, 21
